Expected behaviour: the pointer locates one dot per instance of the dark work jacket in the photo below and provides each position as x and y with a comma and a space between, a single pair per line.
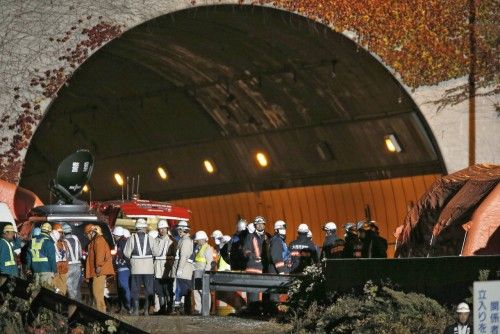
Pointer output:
379, 247
453, 329
224, 252
353, 247
303, 253
333, 247
120, 261
279, 255
256, 252
237, 259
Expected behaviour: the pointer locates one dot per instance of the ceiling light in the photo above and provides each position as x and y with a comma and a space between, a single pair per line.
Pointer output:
209, 166
162, 172
85, 188
119, 179
392, 143
261, 159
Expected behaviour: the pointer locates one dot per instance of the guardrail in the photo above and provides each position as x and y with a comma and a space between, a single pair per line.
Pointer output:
77, 312
238, 281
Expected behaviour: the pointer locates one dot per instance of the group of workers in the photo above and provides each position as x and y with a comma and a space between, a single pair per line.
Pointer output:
162, 261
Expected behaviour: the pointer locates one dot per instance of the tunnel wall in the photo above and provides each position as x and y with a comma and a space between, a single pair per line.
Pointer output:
50, 40
388, 200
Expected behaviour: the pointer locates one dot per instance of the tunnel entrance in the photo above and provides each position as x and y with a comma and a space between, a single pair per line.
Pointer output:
222, 84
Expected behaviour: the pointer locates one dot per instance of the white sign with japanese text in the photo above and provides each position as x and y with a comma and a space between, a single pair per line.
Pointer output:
486, 307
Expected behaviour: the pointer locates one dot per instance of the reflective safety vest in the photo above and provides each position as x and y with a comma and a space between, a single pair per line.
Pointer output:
223, 265
36, 246
200, 256
141, 252
12, 261
74, 253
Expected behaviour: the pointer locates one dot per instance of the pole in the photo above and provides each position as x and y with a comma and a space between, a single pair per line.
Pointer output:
472, 82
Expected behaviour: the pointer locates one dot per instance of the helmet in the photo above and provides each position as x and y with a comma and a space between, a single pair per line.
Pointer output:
183, 225
126, 233
259, 220
217, 234
141, 223
279, 224
241, 225
88, 228
200, 235
46, 227
66, 228
57, 227
8, 228
362, 225
463, 308
36, 231
162, 224
309, 234
251, 228
350, 228
153, 234
118, 231
330, 226
98, 229
303, 228
373, 225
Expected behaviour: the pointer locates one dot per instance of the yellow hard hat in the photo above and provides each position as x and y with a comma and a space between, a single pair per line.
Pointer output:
8, 228
46, 227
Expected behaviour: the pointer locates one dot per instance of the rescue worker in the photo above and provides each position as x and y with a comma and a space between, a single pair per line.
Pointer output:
462, 326
182, 270
333, 247
61, 276
99, 264
74, 262
203, 262
122, 268
222, 253
380, 247
8, 264
237, 259
353, 246
140, 249
303, 252
367, 238
255, 251
164, 284
279, 255
41, 258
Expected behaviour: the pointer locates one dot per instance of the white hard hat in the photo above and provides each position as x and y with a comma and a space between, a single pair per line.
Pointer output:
153, 234
279, 224
141, 223
226, 238
162, 224
309, 234
251, 228
183, 225
126, 233
217, 234
303, 228
330, 226
200, 235
463, 308
118, 231
241, 225
259, 220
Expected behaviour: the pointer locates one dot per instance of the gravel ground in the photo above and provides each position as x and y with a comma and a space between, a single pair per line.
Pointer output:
211, 324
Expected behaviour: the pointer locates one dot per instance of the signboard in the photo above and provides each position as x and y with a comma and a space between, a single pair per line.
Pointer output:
486, 307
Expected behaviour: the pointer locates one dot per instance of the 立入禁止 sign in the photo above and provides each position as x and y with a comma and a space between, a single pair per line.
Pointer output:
486, 307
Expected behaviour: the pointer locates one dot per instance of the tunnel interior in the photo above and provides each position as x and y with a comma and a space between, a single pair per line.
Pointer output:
222, 83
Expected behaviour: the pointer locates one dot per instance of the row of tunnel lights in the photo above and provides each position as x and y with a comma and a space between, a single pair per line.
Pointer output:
390, 141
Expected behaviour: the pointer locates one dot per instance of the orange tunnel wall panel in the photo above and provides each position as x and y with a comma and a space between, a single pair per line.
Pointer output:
388, 199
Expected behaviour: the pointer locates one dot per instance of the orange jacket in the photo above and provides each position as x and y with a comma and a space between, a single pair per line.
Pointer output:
98, 255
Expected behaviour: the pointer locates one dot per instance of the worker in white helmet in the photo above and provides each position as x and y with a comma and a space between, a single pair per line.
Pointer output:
237, 259
202, 261
303, 252
122, 268
140, 249
222, 244
333, 247
164, 284
463, 322
182, 269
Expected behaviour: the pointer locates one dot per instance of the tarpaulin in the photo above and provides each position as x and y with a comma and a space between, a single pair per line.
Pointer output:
19, 200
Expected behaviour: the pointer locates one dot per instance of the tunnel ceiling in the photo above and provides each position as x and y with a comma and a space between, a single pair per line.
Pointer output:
223, 83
